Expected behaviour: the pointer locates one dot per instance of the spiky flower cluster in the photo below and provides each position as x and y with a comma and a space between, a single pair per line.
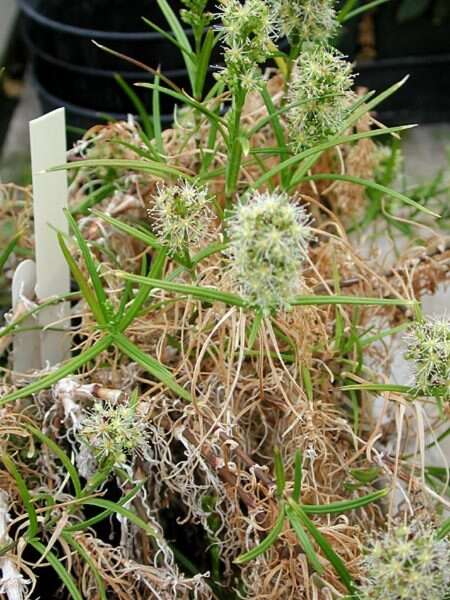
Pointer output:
319, 95
113, 432
408, 563
181, 216
428, 345
269, 237
306, 20
248, 30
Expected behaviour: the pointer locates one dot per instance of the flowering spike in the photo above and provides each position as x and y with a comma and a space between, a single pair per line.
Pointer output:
319, 93
408, 562
306, 20
269, 237
182, 216
428, 346
248, 30
114, 431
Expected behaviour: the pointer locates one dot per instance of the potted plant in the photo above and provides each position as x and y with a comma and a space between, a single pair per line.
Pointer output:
227, 425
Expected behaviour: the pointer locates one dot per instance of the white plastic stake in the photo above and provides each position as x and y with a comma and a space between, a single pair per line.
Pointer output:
48, 149
27, 344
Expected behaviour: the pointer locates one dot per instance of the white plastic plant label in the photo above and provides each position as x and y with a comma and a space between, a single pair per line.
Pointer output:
50, 191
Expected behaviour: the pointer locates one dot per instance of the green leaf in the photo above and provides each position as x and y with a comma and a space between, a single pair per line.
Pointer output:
318, 149
158, 169
366, 476
6, 253
33, 525
138, 105
69, 367
117, 508
157, 116
379, 387
444, 530
82, 525
93, 198
184, 98
83, 284
304, 541
90, 265
373, 186
181, 38
298, 476
84, 554
131, 313
153, 366
139, 234
61, 571
280, 476
267, 542
202, 293
203, 63
345, 505
324, 545
357, 300
168, 37
362, 9
59, 452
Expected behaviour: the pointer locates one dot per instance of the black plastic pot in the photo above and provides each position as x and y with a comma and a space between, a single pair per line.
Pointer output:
424, 98
65, 30
78, 118
421, 36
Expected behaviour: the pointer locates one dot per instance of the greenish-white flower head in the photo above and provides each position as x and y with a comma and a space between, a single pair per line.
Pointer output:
181, 216
306, 20
248, 30
269, 235
428, 347
408, 563
114, 432
320, 95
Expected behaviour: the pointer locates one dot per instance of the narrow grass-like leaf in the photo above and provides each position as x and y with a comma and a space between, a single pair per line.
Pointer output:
343, 506
181, 38
156, 106
139, 234
203, 63
444, 530
362, 9
153, 366
280, 476
90, 264
278, 131
82, 525
93, 198
379, 387
267, 542
169, 38
318, 149
83, 284
304, 541
24, 494
84, 554
117, 508
298, 476
159, 169
356, 300
373, 186
131, 313
60, 569
59, 452
9, 249
138, 105
184, 98
69, 367
202, 293
326, 547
